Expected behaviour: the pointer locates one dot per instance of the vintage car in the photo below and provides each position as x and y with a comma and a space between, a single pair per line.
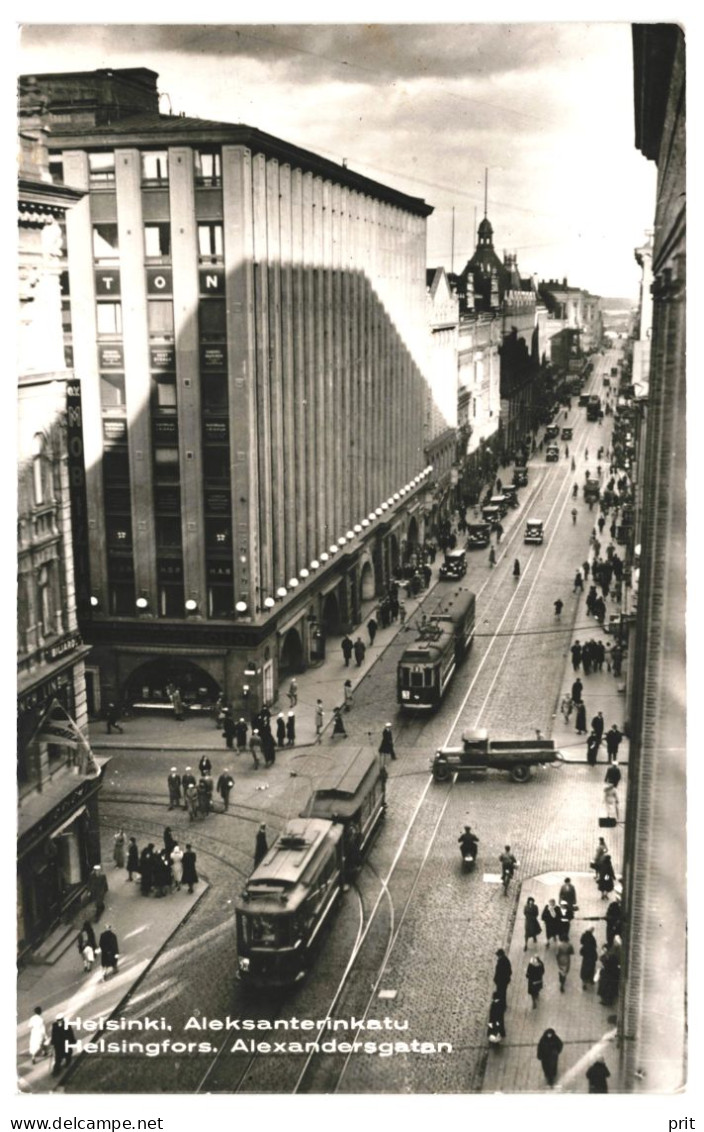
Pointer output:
552, 432
591, 491
583, 400
491, 514
454, 566
567, 433
478, 752
499, 501
552, 454
511, 493
520, 476
478, 535
534, 531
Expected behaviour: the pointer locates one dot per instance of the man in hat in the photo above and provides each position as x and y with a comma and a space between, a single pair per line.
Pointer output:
174, 784
502, 974
225, 784
290, 729
188, 778
97, 890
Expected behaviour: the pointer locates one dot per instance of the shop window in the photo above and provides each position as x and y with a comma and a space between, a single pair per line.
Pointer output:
109, 318
101, 168
171, 599
157, 242
210, 245
112, 390
160, 313
105, 243
221, 602
208, 167
122, 599
155, 167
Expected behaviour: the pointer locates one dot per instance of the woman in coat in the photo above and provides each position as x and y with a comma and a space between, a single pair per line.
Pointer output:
581, 720
532, 928
552, 918
588, 951
108, 951
38, 1037
548, 1053
605, 881
177, 866
189, 875
118, 852
145, 868
496, 1028
87, 945
534, 974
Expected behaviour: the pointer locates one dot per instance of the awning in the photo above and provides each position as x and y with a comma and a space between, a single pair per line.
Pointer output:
68, 822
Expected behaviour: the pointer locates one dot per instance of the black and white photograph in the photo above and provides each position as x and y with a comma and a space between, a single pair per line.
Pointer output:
351, 561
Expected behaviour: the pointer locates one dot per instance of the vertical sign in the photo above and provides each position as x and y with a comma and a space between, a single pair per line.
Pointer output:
78, 498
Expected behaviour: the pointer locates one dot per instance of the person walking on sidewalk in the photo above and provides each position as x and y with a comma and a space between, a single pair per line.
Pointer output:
372, 627
359, 650
132, 858
188, 778
349, 695
319, 719
552, 918
613, 775
516, 569
189, 875
261, 845
225, 784
534, 974
118, 850
109, 951
346, 646
386, 747
589, 952
293, 692
568, 903
290, 729
597, 1076
174, 784
192, 801
38, 1037
531, 922
63, 1040
97, 890
578, 586
503, 973
600, 851
549, 1049
241, 735
111, 718
496, 1029
559, 606
492, 557
281, 729
229, 730
87, 945
613, 742
577, 687
598, 725
338, 727
564, 953
592, 748
255, 746
566, 707
176, 859
581, 719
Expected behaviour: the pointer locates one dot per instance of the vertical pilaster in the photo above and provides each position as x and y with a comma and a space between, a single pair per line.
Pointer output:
295, 556
128, 182
184, 258
269, 580
282, 573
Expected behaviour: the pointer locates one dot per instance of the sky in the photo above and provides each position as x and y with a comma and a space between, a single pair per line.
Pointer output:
544, 108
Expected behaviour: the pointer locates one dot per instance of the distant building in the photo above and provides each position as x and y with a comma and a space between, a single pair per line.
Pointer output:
248, 323
58, 778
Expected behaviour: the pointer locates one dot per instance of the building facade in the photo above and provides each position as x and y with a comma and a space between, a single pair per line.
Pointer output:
248, 323
58, 780
652, 1012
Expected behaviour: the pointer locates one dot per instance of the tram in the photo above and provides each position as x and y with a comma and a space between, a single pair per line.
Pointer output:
292, 893
427, 666
287, 900
352, 792
593, 407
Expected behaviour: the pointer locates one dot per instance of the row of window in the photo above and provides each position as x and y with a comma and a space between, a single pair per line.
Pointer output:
207, 167
213, 393
157, 242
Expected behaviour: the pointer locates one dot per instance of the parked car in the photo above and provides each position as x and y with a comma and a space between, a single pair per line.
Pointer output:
454, 566
552, 432
520, 477
567, 433
478, 535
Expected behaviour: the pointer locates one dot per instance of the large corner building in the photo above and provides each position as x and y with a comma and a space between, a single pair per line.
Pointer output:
247, 322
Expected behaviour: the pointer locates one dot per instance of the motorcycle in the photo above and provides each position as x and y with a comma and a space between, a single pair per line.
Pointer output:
469, 847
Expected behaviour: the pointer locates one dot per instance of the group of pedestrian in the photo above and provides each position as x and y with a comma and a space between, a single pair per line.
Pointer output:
166, 870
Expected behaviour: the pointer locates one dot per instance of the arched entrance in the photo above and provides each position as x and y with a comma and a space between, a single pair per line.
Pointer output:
147, 684
367, 583
331, 615
291, 654
412, 535
393, 555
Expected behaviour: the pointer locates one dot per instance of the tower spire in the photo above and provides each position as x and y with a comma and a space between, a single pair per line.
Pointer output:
486, 189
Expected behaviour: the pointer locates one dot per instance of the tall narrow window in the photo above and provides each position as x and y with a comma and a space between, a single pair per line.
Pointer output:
208, 169
157, 241
101, 167
161, 319
109, 318
155, 167
210, 241
105, 243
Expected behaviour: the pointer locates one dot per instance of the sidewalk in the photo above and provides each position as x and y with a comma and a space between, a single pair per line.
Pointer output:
324, 681
143, 925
